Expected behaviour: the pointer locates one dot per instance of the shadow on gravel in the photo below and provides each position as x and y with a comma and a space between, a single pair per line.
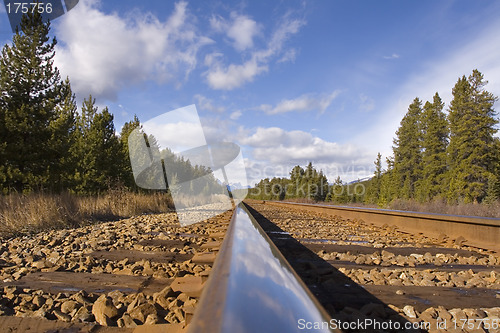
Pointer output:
352, 307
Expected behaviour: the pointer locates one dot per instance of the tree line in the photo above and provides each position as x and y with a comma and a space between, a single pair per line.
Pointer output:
46, 144
305, 182
453, 156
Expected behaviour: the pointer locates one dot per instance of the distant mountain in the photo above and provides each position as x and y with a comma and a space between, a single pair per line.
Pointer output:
238, 186
359, 180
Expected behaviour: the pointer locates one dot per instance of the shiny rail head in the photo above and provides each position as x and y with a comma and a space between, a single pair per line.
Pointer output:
257, 290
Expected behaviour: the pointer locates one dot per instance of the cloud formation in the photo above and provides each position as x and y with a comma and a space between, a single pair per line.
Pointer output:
204, 103
274, 151
228, 77
241, 30
103, 53
392, 56
279, 146
366, 103
306, 102
235, 115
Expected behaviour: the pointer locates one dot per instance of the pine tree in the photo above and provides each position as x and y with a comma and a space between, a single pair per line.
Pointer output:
32, 104
407, 151
472, 155
296, 180
376, 182
434, 143
322, 186
388, 187
98, 148
128, 127
492, 191
338, 192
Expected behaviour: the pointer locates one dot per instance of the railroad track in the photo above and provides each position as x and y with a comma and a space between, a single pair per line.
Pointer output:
480, 232
312, 268
360, 270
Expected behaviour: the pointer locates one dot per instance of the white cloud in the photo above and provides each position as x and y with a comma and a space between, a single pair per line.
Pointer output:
306, 102
205, 103
392, 56
235, 115
275, 151
233, 76
288, 56
366, 103
241, 30
228, 77
103, 53
279, 146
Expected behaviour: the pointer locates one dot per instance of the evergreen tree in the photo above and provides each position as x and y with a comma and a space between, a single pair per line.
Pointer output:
407, 151
492, 192
98, 148
338, 192
434, 143
296, 181
388, 187
322, 186
472, 154
128, 127
376, 182
35, 110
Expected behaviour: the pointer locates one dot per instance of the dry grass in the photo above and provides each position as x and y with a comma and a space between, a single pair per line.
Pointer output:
441, 207
40, 211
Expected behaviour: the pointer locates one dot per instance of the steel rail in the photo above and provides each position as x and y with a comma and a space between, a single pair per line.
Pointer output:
252, 288
481, 232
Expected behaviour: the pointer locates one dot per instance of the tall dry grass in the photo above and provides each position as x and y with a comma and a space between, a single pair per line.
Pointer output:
35, 212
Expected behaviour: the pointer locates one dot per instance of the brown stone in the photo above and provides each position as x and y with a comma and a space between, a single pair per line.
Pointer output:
161, 297
141, 312
104, 310
126, 321
84, 315
62, 316
69, 306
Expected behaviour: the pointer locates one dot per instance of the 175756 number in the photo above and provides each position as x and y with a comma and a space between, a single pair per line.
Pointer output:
26, 7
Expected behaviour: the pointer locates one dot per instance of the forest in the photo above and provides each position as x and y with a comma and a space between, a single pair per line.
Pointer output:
60, 165
450, 156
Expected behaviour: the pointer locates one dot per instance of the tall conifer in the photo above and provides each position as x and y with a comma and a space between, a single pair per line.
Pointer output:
434, 143
472, 155
407, 151
34, 114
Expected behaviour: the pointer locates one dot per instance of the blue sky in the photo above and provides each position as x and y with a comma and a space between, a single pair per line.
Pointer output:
289, 81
